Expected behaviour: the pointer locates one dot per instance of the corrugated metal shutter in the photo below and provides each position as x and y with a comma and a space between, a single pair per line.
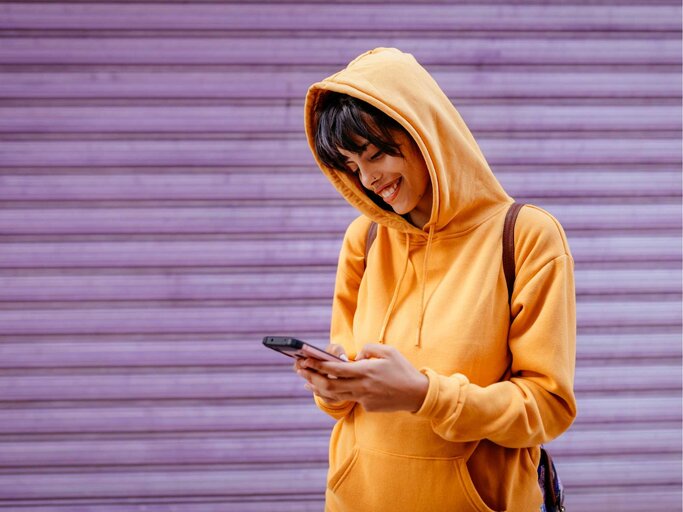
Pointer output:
161, 212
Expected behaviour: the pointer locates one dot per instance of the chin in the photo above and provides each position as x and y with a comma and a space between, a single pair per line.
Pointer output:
401, 210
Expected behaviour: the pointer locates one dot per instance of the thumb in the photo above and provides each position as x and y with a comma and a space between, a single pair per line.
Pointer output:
337, 350
374, 350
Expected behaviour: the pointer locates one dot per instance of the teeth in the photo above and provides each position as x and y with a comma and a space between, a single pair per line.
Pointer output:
389, 190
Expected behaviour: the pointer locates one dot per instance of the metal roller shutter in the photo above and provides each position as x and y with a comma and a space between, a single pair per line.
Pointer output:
160, 212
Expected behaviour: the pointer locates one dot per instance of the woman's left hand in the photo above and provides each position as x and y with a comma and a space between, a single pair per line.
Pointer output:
381, 379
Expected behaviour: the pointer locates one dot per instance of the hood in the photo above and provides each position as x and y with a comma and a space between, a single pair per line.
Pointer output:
465, 191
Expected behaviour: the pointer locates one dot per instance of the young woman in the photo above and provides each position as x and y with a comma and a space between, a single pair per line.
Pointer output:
449, 391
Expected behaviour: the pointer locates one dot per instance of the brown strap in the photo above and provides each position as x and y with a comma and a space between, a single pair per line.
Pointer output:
372, 234
509, 247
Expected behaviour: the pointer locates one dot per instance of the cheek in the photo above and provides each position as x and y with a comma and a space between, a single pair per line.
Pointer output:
426, 182
418, 181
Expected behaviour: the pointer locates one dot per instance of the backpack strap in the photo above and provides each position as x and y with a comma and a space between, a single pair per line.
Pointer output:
369, 239
509, 247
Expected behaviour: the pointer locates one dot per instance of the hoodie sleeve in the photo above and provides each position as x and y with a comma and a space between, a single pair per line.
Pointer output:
350, 271
536, 404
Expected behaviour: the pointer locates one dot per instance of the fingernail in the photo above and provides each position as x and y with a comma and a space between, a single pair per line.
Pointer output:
343, 357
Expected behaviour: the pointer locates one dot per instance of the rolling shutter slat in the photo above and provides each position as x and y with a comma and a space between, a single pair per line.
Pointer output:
302, 17
275, 51
279, 85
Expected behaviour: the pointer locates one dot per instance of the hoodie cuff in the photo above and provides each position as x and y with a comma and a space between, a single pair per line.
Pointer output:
331, 405
445, 395
335, 409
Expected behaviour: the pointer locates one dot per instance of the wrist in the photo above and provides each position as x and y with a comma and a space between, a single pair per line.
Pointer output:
419, 392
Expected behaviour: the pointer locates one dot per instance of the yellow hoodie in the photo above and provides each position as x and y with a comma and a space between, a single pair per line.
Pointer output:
438, 295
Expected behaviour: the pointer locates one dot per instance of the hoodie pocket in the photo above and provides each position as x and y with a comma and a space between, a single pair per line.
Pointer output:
338, 477
469, 487
373, 480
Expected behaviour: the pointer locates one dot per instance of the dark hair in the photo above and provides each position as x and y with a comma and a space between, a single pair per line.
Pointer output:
340, 118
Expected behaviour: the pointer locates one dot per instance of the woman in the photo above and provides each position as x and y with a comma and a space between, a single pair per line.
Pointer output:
449, 391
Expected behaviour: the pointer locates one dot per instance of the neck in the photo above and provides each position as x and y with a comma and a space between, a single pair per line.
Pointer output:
418, 218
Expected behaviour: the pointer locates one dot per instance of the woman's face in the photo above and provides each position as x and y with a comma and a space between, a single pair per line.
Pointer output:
401, 181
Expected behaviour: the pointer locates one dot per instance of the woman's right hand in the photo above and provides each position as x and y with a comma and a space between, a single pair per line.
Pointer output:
302, 368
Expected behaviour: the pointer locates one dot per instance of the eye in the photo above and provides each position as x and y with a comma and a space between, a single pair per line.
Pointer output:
348, 166
377, 155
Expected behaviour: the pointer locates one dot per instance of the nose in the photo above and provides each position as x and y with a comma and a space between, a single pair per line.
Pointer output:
368, 175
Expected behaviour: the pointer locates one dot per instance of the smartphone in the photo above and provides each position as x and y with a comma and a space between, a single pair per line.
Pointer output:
293, 347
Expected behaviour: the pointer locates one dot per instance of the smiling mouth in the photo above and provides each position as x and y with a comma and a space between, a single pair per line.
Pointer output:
389, 193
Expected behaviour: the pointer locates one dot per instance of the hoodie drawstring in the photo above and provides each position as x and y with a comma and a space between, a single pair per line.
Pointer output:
394, 298
423, 286
421, 309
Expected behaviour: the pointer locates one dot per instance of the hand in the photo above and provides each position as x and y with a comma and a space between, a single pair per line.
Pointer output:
300, 367
380, 379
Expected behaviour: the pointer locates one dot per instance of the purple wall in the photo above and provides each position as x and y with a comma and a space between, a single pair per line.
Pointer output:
160, 212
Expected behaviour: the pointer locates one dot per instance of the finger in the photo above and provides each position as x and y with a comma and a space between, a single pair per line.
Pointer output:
374, 350
307, 362
312, 389
337, 350
319, 385
331, 399
340, 370
317, 379
306, 374
311, 368
331, 390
